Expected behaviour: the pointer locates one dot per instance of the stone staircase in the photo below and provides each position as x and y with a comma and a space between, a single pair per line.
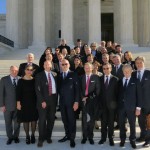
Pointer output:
58, 130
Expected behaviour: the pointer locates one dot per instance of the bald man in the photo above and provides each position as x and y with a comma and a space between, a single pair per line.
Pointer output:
8, 104
69, 99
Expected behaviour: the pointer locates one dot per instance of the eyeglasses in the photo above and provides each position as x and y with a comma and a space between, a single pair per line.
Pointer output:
29, 69
56, 50
105, 68
93, 46
64, 64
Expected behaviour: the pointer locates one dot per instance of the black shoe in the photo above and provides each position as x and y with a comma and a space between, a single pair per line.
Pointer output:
40, 144
16, 140
111, 142
133, 145
83, 141
9, 141
49, 141
116, 127
102, 141
64, 139
91, 141
122, 144
28, 140
72, 143
140, 139
146, 144
32, 139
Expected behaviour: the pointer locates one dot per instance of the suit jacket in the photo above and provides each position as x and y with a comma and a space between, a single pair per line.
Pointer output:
22, 66
131, 97
41, 87
119, 73
94, 86
69, 89
108, 96
145, 89
7, 94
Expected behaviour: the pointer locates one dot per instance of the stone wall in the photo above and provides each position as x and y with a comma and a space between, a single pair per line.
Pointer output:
2, 24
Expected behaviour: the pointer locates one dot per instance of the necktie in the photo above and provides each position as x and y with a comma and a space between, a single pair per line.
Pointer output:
116, 69
87, 85
125, 84
49, 84
65, 75
14, 83
139, 75
106, 82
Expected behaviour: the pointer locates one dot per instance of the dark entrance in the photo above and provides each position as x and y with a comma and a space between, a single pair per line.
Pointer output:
107, 27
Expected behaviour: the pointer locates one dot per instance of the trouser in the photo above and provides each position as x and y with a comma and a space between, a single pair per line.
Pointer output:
11, 124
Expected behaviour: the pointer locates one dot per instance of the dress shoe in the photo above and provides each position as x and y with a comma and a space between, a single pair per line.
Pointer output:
16, 140
9, 141
146, 144
102, 141
83, 141
32, 139
64, 139
27, 139
40, 144
133, 145
72, 143
116, 127
111, 142
49, 141
91, 141
122, 144
140, 139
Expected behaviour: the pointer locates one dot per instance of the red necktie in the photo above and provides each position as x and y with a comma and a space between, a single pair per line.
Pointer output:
49, 84
87, 85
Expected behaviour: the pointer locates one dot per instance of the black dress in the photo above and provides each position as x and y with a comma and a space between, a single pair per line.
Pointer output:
27, 97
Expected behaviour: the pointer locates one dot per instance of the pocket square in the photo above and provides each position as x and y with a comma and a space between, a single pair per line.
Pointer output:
132, 83
145, 79
70, 78
92, 81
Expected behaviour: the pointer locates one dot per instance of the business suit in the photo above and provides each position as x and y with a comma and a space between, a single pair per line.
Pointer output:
47, 114
69, 94
119, 73
89, 106
128, 99
8, 99
22, 66
108, 100
145, 107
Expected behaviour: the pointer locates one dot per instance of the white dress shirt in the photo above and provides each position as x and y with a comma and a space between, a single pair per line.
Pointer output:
141, 72
105, 78
124, 80
12, 79
53, 82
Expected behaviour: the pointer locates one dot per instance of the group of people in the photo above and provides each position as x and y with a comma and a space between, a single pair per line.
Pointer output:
101, 82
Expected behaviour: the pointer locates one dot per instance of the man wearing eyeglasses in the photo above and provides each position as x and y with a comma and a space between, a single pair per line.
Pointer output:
69, 99
108, 98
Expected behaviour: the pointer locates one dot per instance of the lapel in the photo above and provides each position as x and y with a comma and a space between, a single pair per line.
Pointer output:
45, 78
143, 77
84, 81
10, 82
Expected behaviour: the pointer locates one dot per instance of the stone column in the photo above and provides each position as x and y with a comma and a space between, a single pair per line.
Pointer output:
67, 21
12, 21
94, 7
38, 25
143, 22
123, 22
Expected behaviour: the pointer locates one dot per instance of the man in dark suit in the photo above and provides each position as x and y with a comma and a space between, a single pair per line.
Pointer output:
46, 91
129, 104
69, 99
108, 98
8, 104
143, 76
117, 71
63, 44
90, 89
30, 59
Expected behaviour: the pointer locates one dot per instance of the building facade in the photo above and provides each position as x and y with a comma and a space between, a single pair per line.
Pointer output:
39, 23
